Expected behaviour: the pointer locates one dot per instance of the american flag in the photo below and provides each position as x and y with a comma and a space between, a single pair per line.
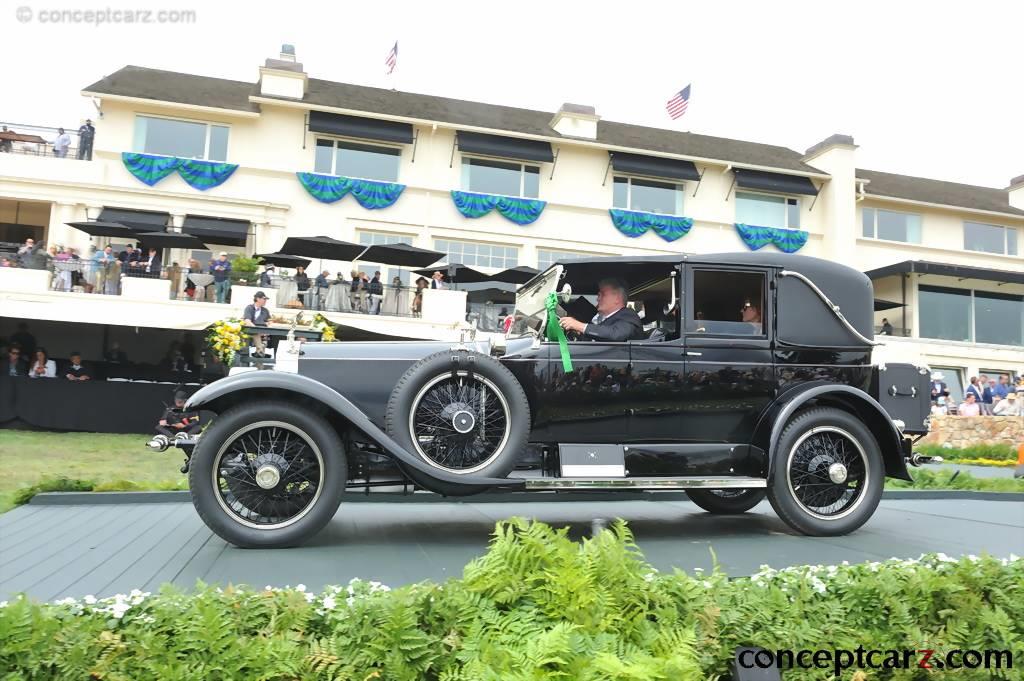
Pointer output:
676, 106
392, 59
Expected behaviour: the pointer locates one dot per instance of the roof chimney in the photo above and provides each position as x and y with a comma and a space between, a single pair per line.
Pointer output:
576, 120
830, 142
283, 77
1016, 192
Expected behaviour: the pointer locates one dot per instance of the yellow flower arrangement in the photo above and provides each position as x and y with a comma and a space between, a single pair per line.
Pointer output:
225, 338
326, 328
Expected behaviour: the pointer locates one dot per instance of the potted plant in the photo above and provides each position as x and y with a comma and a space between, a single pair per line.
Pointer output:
243, 269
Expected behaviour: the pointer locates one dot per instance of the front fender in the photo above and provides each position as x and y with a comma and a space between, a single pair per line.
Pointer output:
890, 440
419, 471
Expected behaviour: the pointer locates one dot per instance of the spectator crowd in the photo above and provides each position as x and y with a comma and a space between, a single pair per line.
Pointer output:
984, 396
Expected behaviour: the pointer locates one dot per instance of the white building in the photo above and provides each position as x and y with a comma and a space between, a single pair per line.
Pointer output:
949, 255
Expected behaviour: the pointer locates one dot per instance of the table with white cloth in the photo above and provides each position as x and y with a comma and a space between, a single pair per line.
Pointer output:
397, 302
201, 281
337, 298
287, 292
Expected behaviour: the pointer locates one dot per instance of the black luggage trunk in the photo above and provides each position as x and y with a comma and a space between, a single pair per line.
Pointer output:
904, 390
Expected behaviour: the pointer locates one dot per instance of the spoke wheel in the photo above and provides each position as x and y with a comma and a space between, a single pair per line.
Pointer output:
268, 475
827, 472
459, 422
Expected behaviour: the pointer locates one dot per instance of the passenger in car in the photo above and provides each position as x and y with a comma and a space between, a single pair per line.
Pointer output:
614, 321
751, 316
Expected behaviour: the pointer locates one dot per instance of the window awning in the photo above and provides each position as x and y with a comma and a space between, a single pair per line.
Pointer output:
947, 270
654, 166
137, 220
774, 182
359, 127
217, 231
505, 147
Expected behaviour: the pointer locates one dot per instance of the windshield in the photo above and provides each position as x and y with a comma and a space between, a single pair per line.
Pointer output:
530, 312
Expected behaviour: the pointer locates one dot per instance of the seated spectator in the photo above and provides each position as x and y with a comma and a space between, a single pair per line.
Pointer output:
1008, 406
257, 314
265, 275
76, 371
970, 407
42, 366
14, 364
176, 422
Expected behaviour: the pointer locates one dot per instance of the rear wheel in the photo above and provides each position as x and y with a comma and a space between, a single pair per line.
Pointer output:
461, 412
267, 474
726, 501
827, 473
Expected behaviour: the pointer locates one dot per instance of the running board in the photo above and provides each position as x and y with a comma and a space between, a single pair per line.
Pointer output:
646, 483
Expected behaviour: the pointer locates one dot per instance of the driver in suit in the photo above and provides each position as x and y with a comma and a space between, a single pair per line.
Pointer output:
613, 322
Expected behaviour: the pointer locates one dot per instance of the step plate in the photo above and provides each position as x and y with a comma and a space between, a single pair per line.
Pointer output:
646, 483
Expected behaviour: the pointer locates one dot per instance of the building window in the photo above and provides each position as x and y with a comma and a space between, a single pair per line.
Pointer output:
368, 238
990, 238
547, 257
891, 225
648, 196
767, 210
998, 318
185, 139
500, 177
363, 161
953, 377
476, 254
971, 316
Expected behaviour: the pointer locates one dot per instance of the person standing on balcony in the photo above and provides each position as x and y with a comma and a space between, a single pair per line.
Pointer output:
152, 265
376, 288
102, 262
221, 271
60, 146
886, 327
85, 137
302, 284
5, 144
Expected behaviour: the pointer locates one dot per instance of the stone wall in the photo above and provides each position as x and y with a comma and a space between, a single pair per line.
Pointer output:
964, 431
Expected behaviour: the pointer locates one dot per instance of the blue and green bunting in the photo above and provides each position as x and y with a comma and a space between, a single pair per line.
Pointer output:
519, 211
786, 240
635, 223
205, 175
369, 194
202, 175
150, 169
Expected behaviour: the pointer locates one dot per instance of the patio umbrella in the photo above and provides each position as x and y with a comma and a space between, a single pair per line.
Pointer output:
881, 305
515, 275
401, 255
457, 274
323, 247
99, 228
170, 240
495, 295
284, 260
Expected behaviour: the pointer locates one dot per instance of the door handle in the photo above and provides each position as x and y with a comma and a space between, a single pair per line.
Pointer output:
690, 353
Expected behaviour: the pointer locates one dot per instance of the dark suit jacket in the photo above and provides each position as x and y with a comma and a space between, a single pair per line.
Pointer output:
624, 325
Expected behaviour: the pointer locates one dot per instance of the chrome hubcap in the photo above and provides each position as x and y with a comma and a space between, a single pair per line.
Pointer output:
463, 422
268, 476
837, 473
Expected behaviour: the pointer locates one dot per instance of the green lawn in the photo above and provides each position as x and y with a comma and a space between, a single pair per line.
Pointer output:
111, 461
122, 462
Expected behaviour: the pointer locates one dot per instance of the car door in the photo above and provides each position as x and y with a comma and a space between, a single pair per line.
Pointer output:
728, 352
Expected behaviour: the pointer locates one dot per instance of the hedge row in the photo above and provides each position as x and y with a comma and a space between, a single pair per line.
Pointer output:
537, 605
995, 452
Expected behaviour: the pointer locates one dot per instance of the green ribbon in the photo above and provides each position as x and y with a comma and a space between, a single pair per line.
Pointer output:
555, 331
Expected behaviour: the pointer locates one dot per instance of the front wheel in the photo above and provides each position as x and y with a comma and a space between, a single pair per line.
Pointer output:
827, 473
267, 474
726, 501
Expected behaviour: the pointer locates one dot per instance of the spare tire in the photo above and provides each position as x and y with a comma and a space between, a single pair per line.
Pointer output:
462, 412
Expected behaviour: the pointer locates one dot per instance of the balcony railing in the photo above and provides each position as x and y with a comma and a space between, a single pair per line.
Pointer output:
37, 140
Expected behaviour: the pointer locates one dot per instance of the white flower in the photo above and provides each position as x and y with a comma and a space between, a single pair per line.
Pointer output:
329, 602
90, 600
300, 587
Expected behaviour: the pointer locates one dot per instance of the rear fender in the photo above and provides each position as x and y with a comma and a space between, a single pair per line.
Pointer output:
232, 390
890, 440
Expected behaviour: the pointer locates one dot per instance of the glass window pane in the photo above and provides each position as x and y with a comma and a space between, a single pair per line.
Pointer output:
620, 193
492, 177
793, 213
944, 313
654, 197
728, 303
368, 162
531, 182
324, 160
760, 210
984, 238
892, 226
868, 223
218, 143
174, 138
998, 318
1011, 241
477, 255
913, 228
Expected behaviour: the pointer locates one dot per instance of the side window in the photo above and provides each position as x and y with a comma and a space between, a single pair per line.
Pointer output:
727, 303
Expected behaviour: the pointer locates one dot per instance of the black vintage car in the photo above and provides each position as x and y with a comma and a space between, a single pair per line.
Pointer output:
752, 377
